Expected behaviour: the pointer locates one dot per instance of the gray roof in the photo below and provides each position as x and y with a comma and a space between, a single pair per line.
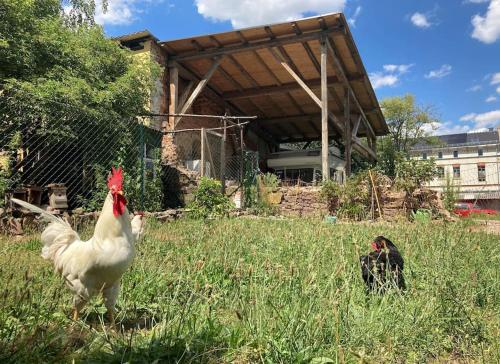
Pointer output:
463, 139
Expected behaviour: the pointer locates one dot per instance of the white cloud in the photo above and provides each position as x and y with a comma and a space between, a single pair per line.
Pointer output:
390, 76
400, 68
443, 71
498, 90
475, 88
476, 1
448, 127
257, 12
118, 12
487, 27
379, 79
352, 20
484, 120
495, 78
420, 20
491, 99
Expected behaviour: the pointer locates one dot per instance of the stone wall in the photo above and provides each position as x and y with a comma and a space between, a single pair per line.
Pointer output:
301, 202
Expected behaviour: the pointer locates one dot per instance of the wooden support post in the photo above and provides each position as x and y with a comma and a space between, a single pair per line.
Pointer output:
203, 158
210, 158
347, 133
356, 127
325, 165
242, 167
223, 158
168, 151
279, 57
174, 95
201, 85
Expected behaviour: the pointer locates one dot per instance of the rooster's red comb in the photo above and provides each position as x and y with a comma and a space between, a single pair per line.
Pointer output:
116, 179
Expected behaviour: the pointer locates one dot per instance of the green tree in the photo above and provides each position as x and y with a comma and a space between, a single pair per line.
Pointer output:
408, 124
60, 77
49, 55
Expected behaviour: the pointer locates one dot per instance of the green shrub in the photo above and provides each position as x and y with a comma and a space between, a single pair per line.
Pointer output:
349, 200
209, 201
413, 174
450, 193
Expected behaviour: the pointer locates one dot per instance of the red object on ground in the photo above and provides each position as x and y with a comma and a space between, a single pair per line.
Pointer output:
465, 209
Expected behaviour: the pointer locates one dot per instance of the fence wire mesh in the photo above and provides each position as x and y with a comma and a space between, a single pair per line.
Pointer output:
45, 143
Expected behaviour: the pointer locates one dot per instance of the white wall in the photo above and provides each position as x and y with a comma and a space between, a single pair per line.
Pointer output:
468, 160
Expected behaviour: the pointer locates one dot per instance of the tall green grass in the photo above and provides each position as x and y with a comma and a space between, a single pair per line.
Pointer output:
263, 290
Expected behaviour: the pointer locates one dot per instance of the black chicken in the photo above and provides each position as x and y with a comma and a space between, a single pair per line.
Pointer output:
383, 267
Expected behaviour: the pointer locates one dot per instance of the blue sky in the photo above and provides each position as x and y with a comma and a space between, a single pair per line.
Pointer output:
445, 52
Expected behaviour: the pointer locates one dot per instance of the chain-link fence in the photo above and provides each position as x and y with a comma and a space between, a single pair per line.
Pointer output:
53, 150
57, 156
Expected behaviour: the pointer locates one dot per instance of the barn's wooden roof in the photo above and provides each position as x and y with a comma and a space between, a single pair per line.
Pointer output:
252, 80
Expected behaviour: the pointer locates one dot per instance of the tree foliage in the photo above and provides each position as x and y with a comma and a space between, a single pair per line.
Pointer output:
47, 56
412, 174
63, 83
408, 124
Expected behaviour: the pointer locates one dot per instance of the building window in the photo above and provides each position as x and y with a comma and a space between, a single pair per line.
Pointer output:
424, 155
481, 172
440, 172
440, 155
480, 152
455, 154
456, 171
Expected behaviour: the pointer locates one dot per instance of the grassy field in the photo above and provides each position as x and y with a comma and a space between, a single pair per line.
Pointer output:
262, 290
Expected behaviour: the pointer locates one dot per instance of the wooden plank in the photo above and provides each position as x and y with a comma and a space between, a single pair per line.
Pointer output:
347, 133
325, 166
269, 90
201, 85
223, 158
186, 93
356, 126
202, 158
210, 158
340, 70
174, 94
251, 46
279, 57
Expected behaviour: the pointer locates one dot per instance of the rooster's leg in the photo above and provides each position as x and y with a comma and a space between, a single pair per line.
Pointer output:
110, 294
78, 302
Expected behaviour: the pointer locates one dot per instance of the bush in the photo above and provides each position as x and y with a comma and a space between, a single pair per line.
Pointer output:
413, 174
349, 200
450, 193
209, 201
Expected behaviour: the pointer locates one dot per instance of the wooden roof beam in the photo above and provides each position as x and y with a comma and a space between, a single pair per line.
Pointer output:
279, 57
283, 88
341, 72
197, 90
331, 92
251, 46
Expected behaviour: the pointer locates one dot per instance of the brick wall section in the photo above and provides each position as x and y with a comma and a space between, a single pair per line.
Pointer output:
302, 202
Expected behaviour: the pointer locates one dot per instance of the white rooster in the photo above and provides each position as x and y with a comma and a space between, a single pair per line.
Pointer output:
97, 265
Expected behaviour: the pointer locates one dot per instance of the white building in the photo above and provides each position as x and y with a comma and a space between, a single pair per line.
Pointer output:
472, 160
305, 165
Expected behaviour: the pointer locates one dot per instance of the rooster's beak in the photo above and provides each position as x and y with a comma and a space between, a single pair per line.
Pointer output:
119, 193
